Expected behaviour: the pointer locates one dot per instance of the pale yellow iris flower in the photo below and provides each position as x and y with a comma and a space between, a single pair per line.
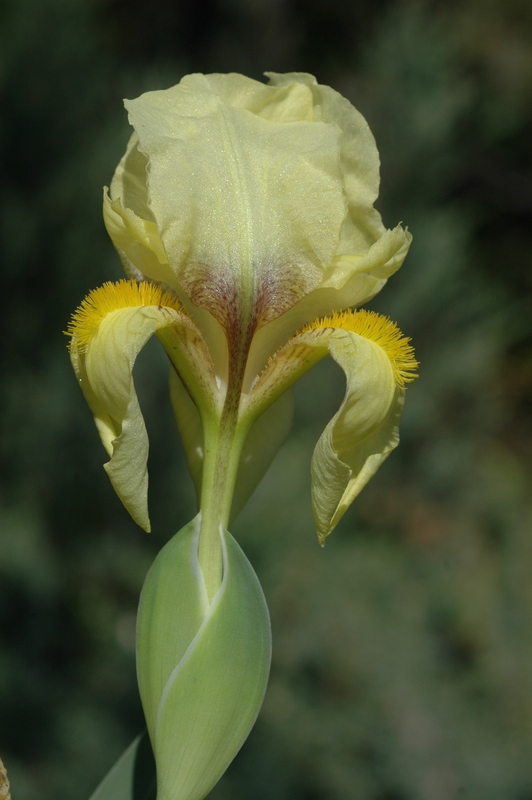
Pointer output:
243, 215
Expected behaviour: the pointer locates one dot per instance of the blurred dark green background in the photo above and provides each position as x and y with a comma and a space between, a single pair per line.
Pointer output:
402, 664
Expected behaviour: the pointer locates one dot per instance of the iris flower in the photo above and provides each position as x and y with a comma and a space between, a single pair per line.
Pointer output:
243, 215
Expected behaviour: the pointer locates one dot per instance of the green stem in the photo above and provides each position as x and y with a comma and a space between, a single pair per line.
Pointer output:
224, 438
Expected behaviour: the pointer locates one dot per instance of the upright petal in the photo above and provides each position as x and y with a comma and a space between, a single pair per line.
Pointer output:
351, 280
129, 221
250, 210
359, 159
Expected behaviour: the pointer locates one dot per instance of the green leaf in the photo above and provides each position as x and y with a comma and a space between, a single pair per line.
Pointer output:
133, 775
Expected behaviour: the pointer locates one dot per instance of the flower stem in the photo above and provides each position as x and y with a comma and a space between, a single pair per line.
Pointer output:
224, 438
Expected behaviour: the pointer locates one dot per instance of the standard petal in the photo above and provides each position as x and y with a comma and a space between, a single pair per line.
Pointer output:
254, 219
351, 281
359, 157
359, 276
137, 241
129, 221
291, 102
130, 180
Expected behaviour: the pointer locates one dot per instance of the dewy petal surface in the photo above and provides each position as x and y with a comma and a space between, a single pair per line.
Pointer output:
249, 210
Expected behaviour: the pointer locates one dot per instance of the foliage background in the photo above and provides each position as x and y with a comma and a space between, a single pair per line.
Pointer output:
403, 652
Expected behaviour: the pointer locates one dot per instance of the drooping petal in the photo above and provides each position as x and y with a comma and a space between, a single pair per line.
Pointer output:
377, 361
362, 433
343, 464
108, 332
254, 218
